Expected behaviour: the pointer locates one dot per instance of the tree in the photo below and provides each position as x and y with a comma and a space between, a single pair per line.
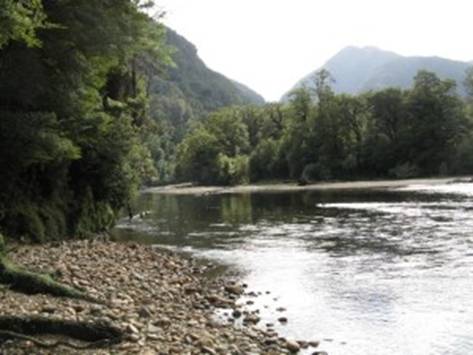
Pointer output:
296, 139
74, 123
231, 133
469, 82
216, 151
323, 89
354, 112
385, 142
197, 157
436, 121
21, 19
330, 134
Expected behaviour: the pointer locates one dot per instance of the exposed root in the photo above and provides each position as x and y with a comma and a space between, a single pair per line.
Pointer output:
97, 335
24, 281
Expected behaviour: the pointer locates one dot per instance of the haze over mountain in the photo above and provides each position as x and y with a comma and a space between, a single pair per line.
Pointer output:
191, 88
356, 70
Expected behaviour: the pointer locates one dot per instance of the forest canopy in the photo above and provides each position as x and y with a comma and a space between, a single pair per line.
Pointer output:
73, 109
318, 135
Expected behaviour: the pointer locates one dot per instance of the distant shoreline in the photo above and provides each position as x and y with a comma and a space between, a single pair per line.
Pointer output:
189, 189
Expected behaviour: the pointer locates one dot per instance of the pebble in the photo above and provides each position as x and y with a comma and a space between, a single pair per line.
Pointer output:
160, 299
292, 346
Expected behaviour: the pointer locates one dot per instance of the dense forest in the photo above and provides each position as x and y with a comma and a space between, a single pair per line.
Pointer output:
184, 94
74, 112
318, 135
97, 98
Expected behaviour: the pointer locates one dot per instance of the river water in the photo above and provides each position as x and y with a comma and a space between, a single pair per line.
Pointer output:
372, 272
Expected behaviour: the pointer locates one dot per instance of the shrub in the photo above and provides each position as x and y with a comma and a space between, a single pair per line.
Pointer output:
404, 171
233, 171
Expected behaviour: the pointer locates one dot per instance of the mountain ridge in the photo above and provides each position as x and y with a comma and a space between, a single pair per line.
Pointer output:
189, 90
198, 82
360, 69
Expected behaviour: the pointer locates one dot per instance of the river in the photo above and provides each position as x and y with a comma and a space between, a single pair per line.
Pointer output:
366, 271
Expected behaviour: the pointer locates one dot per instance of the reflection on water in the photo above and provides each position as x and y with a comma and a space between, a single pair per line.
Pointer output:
367, 272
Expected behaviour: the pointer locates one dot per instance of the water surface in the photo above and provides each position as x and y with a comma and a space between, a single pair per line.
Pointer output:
369, 272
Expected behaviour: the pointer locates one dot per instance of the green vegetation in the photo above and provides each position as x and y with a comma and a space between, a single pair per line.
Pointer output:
74, 109
97, 98
318, 135
184, 94
20, 20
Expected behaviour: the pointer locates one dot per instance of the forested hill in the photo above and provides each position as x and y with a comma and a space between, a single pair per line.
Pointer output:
356, 70
191, 90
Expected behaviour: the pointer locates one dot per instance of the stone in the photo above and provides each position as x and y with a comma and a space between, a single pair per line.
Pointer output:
164, 308
152, 328
234, 289
292, 346
236, 313
207, 350
251, 318
132, 329
134, 338
303, 344
163, 323
144, 312
48, 309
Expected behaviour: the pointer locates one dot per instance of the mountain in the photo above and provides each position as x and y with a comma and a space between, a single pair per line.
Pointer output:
190, 90
357, 70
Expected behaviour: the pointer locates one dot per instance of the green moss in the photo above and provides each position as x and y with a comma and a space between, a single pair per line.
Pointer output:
21, 280
93, 216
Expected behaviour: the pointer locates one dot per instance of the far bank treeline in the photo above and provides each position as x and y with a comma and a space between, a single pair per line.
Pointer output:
317, 135
74, 112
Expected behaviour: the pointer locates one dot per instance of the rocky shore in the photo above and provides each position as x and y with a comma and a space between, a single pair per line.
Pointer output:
162, 301
190, 189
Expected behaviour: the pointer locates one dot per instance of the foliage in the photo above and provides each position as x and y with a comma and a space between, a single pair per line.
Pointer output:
20, 20
319, 135
185, 94
232, 171
74, 113
216, 152
469, 82
197, 157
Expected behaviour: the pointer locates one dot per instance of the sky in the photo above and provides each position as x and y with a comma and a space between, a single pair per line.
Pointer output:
269, 45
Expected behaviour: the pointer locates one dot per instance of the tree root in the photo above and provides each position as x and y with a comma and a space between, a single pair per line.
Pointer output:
24, 281
27, 328
98, 335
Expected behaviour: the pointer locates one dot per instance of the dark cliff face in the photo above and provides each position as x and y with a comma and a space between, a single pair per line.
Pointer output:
357, 70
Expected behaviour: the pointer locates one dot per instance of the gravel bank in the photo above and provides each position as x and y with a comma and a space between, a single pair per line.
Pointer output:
161, 300
189, 189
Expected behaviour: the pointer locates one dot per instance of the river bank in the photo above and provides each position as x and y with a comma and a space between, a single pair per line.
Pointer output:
163, 301
189, 189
